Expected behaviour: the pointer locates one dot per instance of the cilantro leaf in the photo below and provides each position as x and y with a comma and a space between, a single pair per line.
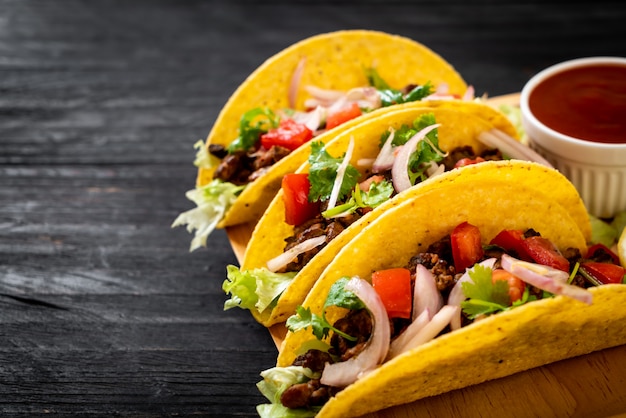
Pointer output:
375, 80
378, 193
323, 171
337, 296
390, 96
485, 296
252, 125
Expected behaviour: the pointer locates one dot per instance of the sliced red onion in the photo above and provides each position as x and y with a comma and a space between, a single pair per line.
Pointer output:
311, 119
400, 170
456, 294
469, 94
429, 331
435, 169
285, 258
323, 97
426, 297
365, 162
495, 138
346, 372
341, 171
398, 345
384, 159
546, 278
366, 97
295, 83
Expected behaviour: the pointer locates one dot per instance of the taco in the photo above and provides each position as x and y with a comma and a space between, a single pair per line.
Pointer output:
287, 253
454, 287
325, 83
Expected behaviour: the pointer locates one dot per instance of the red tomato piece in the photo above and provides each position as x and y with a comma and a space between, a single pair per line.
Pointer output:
467, 249
542, 251
394, 288
606, 273
298, 209
511, 240
516, 285
591, 252
343, 115
468, 161
289, 134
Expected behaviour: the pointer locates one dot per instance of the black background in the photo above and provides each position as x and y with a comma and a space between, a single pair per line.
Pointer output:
102, 309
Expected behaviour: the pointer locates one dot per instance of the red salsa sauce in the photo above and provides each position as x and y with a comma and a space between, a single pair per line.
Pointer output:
588, 103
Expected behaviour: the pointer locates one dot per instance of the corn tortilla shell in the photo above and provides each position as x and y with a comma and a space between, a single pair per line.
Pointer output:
458, 128
414, 224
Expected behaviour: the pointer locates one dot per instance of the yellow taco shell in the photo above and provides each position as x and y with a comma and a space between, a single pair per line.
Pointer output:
457, 128
535, 334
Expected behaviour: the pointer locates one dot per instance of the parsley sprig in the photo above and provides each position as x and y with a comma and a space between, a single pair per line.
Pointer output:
337, 296
390, 96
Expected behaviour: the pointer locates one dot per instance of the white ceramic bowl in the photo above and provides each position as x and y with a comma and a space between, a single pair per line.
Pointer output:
598, 170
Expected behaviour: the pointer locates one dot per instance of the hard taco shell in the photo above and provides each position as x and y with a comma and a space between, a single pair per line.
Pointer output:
535, 334
458, 128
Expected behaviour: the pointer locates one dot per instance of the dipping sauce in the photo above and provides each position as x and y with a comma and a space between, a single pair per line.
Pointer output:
587, 103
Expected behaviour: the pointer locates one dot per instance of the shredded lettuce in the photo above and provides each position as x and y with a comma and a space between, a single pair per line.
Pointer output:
255, 288
204, 159
275, 381
212, 201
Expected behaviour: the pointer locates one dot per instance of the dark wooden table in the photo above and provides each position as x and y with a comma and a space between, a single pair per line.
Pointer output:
103, 311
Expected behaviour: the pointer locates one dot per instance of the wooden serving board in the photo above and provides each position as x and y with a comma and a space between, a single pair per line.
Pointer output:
593, 385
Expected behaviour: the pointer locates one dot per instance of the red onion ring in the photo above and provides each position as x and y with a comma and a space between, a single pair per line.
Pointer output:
384, 159
346, 372
429, 331
426, 297
295, 83
456, 294
495, 138
546, 278
341, 171
399, 170
285, 258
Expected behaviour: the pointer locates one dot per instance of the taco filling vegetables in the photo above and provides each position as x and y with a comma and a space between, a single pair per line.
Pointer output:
267, 136
322, 84
456, 281
334, 194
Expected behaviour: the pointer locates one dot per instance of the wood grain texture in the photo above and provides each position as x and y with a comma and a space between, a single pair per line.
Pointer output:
103, 312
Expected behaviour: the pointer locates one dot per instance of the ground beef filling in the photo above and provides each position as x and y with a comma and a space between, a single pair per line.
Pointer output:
243, 167
313, 393
320, 226
438, 259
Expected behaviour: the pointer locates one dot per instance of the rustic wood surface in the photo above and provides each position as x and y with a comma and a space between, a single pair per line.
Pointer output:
103, 311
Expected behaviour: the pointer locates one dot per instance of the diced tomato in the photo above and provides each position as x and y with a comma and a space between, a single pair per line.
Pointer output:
542, 251
516, 285
394, 288
600, 250
343, 115
289, 134
468, 161
606, 273
511, 240
296, 199
467, 249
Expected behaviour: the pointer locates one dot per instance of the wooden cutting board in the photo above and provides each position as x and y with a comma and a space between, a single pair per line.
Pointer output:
589, 386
